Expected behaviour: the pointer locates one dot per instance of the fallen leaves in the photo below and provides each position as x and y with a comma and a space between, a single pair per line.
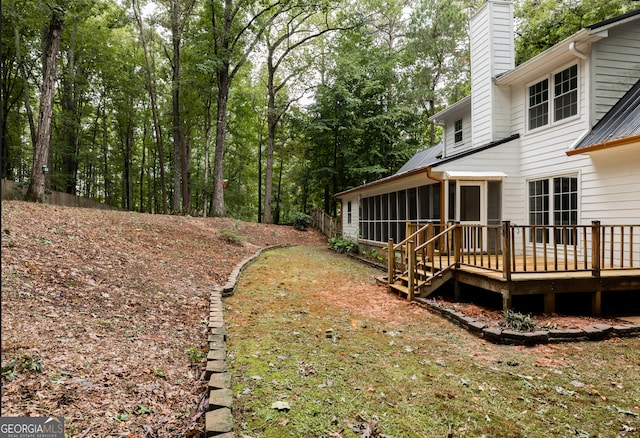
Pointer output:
110, 302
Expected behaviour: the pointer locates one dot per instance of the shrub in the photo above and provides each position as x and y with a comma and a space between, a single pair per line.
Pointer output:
301, 221
519, 322
342, 245
231, 236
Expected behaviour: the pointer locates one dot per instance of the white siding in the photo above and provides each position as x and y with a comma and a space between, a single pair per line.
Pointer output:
616, 63
502, 158
610, 181
481, 77
491, 54
451, 147
350, 230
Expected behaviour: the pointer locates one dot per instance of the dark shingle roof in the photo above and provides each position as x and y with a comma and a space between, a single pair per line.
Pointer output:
622, 120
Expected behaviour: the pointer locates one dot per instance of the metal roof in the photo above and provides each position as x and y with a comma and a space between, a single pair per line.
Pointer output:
622, 121
422, 159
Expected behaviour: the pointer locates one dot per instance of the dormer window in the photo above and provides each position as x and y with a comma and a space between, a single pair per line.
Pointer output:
457, 129
565, 98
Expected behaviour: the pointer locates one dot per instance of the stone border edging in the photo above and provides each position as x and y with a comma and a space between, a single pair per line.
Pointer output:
219, 417
499, 335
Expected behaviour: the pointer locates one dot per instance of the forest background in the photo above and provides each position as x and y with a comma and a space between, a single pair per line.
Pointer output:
258, 110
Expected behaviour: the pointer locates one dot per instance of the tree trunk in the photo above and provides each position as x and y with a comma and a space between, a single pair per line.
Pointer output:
259, 171
272, 121
224, 82
207, 143
177, 131
69, 103
51, 41
154, 108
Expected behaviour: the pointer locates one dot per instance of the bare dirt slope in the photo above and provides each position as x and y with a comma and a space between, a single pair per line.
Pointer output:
100, 310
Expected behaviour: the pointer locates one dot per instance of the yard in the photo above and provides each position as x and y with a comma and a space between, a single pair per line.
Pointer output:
318, 349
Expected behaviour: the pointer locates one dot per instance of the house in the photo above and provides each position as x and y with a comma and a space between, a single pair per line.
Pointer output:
541, 161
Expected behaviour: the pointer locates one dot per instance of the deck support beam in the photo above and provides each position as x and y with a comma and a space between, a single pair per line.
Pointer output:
550, 303
596, 303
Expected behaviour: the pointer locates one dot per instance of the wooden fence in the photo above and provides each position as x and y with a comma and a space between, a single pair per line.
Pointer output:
13, 191
329, 226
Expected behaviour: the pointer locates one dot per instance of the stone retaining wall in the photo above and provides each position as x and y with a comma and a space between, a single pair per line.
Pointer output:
505, 336
219, 418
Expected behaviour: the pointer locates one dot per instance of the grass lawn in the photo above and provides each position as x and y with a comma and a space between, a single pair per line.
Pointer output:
310, 329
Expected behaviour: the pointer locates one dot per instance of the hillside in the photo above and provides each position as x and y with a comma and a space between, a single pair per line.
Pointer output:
103, 313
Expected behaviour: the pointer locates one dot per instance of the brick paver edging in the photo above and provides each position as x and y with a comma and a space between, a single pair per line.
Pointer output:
500, 335
219, 418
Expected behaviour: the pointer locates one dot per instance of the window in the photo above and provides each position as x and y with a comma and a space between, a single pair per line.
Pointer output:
565, 206
565, 98
349, 212
458, 131
539, 208
384, 216
565, 93
562, 203
539, 104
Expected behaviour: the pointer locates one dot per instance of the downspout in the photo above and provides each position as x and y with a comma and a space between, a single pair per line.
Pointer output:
573, 49
441, 181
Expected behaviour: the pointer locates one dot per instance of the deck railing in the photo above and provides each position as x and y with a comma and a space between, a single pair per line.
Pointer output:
518, 249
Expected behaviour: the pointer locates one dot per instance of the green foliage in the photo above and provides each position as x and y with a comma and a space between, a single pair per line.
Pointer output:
196, 354
518, 321
25, 363
543, 23
231, 236
342, 245
301, 221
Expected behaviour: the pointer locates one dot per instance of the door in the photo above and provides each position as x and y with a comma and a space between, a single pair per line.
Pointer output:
472, 210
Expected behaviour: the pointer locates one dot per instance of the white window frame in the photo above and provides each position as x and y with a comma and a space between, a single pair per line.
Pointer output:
551, 238
551, 102
457, 131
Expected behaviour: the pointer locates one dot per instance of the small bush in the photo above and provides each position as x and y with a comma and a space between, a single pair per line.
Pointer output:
301, 221
342, 245
232, 237
519, 322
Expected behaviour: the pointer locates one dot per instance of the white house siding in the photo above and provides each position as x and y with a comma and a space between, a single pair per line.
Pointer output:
491, 54
451, 146
350, 230
503, 158
616, 64
610, 186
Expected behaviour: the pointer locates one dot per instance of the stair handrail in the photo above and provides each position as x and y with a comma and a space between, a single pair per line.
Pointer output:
411, 237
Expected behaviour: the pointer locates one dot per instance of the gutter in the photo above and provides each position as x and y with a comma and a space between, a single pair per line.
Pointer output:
606, 145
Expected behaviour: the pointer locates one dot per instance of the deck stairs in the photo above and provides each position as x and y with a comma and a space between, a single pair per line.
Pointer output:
427, 280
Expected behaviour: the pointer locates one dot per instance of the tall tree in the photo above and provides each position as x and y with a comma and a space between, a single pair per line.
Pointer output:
287, 33
51, 48
544, 23
438, 54
154, 106
237, 26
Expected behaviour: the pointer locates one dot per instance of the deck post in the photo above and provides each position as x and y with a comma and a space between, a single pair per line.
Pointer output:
506, 250
412, 266
430, 247
457, 242
550, 303
391, 263
596, 302
595, 248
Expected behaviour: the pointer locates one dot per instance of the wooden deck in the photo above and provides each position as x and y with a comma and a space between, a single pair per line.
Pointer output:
598, 260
